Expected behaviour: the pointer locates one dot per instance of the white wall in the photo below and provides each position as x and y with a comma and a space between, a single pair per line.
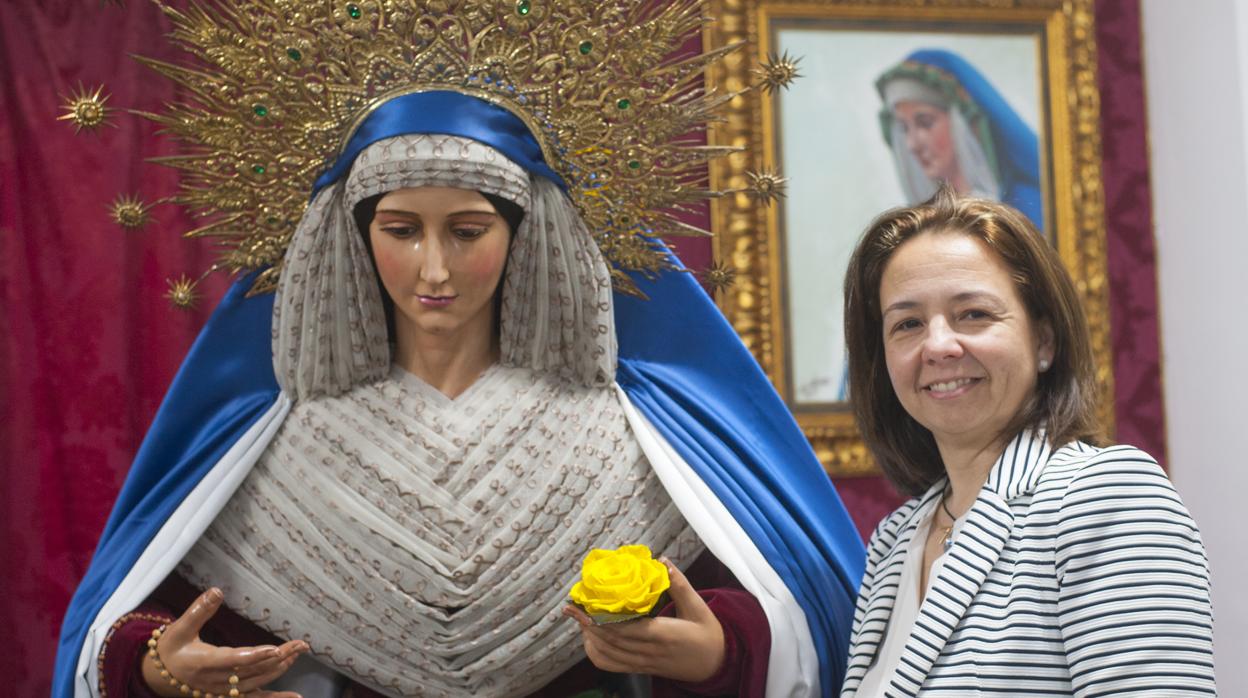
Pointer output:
1196, 76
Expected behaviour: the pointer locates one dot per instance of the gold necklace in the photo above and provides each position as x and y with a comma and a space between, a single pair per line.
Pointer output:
946, 535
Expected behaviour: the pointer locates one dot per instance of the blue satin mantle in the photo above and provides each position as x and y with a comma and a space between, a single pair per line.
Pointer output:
1015, 144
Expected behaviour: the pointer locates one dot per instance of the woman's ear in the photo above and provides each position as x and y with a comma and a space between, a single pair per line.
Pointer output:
1045, 341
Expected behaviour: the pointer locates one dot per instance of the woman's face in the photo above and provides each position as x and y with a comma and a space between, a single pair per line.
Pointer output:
929, 138
440, 253
962, 351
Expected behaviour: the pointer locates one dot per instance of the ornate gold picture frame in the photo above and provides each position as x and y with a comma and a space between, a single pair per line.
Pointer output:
843, 137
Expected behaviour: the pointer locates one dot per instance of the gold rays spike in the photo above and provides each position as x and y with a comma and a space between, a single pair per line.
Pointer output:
766, 186
87, 109
182, 293
719, 276
778, 71
130, 212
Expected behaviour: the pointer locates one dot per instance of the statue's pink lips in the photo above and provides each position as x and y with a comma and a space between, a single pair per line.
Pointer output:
435, 301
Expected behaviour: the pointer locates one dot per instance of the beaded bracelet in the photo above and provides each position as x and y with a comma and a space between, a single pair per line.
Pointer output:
182, 687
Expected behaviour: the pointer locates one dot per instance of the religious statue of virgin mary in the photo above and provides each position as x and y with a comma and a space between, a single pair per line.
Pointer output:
456, 359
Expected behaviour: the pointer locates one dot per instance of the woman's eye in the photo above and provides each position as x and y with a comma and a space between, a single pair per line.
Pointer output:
906, 325
976, 315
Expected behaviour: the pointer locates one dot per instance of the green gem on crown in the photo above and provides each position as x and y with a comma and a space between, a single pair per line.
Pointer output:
354, 11
624, 103
260, 110
586, 47
258, 169
524, 7
295, 54
634, 165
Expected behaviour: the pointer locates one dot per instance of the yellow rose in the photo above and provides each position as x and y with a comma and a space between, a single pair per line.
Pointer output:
620, 583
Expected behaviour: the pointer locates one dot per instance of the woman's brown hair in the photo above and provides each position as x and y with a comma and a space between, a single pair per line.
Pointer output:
1065, 399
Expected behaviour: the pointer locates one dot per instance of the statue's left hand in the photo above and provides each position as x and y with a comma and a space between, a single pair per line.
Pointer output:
688, 647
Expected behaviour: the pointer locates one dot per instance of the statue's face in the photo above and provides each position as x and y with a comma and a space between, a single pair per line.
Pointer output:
440, 252
929, 138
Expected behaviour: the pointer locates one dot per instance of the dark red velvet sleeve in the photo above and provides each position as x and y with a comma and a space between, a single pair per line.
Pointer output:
747, 635
121, 656
747, 645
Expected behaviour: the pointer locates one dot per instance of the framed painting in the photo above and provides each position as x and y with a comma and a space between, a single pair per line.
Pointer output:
997, 98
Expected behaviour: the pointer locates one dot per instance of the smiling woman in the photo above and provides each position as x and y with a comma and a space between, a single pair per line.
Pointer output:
963, 353
1031, 560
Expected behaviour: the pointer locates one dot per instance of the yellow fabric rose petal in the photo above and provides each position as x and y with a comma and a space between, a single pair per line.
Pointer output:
627, 580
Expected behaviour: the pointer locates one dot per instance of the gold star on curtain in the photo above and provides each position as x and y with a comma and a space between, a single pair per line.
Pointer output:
129, 212
87, 109
182, 293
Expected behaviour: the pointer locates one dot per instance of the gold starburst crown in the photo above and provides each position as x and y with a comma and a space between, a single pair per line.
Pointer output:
277, 86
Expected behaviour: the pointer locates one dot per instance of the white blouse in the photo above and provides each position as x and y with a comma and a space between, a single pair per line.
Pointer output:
906, 611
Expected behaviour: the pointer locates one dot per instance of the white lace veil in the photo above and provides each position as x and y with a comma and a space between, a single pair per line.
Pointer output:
971, 154
329, 326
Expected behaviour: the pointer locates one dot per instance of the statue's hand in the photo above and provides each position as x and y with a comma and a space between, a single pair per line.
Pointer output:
208, 668
688, 647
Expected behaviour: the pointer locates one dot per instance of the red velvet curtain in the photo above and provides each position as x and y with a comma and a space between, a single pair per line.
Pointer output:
89, 342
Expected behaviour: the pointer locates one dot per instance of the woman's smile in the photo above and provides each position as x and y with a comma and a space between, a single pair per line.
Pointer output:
952, 388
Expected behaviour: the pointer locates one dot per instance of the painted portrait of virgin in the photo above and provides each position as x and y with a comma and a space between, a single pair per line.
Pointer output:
911, 109
944, 121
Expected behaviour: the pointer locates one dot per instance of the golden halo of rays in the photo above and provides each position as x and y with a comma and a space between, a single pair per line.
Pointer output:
777, 72
87, 108
130, 212
182, 292
719, 276
766, 186
608, 110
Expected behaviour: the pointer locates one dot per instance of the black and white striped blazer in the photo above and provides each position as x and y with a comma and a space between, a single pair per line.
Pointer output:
1077, 572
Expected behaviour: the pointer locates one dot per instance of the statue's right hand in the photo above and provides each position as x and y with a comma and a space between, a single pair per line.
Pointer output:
208, 668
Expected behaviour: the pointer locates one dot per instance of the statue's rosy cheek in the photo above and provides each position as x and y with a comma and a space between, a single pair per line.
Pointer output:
488, 265
388, 264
